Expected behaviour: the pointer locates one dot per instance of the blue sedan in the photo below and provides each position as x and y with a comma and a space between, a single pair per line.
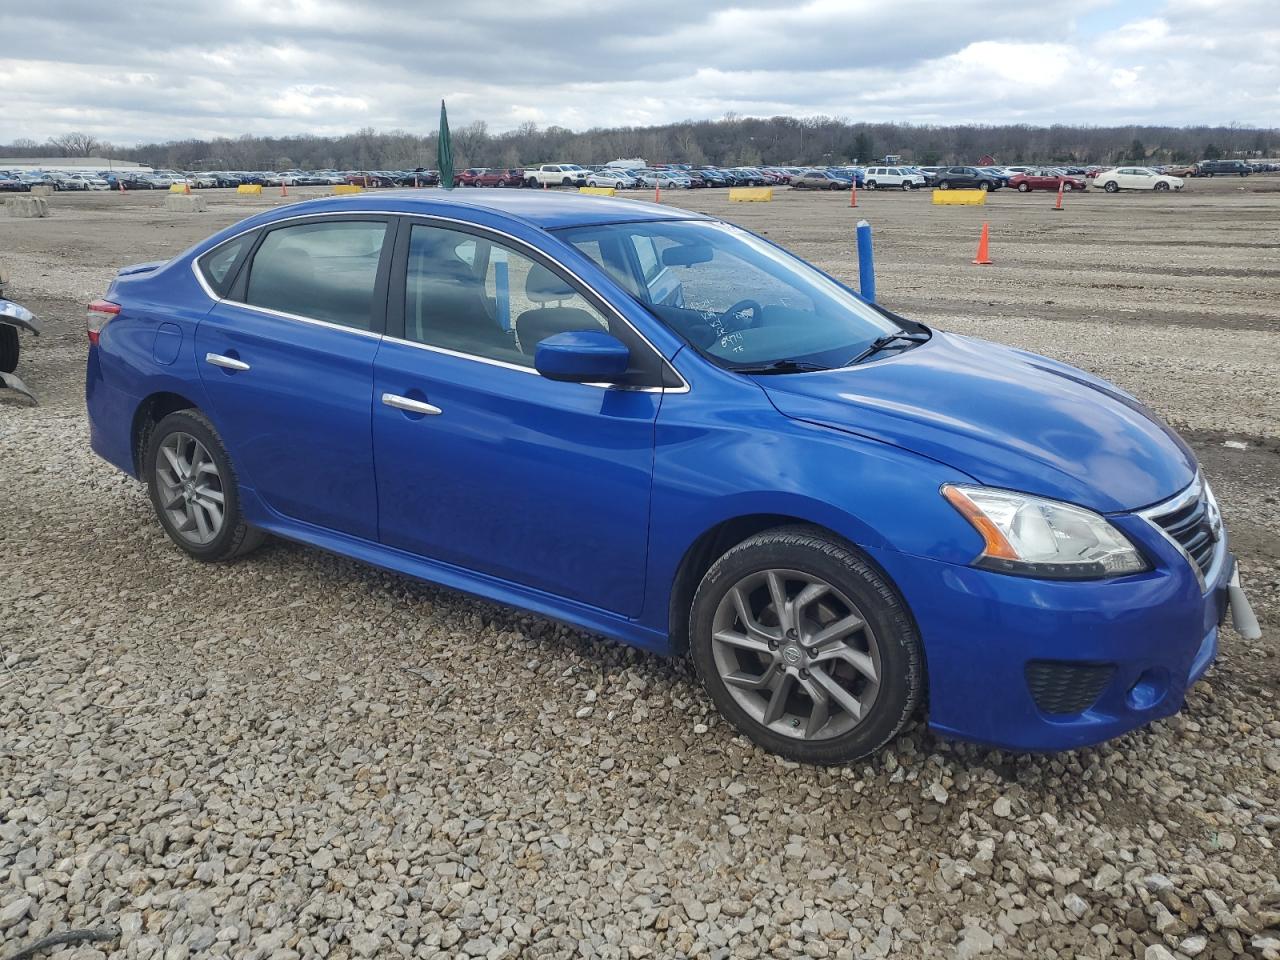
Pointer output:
657, 426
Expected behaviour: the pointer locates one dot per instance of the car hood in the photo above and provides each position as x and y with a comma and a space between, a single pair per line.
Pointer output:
1005, 417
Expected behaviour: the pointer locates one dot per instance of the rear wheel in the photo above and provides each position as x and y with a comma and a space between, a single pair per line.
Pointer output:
805, 647
9, 348
944, 185
194, 489
1024, 187
1111, 186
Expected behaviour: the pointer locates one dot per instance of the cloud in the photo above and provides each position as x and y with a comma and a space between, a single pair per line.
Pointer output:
138, 73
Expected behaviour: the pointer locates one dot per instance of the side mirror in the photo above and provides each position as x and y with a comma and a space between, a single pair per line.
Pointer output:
582, 356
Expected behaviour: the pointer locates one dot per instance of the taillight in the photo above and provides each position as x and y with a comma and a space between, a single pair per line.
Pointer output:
97, 316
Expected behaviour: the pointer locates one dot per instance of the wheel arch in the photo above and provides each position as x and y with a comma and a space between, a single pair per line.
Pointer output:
715, 541
154, 408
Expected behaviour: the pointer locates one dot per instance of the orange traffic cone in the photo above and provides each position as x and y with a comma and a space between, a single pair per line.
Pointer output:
284, 191
984, 242
657, 191
853, 193
1061, 185
121, 182
186, 187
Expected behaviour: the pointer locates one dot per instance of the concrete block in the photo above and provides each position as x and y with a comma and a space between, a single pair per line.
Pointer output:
184, 203
42, 190
27, 206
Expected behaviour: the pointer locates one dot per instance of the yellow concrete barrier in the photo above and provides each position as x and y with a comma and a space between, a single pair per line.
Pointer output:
751, 193
249, 188
177, 188
976, 198
598, 191
347, 188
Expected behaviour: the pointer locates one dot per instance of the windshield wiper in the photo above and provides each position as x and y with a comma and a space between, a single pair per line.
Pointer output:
781, 366
879, 343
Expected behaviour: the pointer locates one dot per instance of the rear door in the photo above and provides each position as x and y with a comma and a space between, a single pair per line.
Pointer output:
483, 463
287, 363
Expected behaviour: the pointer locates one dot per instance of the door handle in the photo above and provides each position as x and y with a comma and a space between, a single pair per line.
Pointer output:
230, 363
410, 405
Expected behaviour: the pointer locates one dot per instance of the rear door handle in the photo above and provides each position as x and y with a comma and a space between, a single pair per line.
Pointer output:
231, 363
410, 405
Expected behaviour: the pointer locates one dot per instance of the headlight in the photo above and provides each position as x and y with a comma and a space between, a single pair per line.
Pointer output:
1035, 537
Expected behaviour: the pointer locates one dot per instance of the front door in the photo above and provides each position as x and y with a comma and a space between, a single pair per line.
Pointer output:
486, 465
287, 363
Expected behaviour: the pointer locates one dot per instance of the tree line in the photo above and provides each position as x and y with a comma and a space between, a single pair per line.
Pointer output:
732, 140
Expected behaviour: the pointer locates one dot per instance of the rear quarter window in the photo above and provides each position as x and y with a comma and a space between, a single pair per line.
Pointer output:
220, 265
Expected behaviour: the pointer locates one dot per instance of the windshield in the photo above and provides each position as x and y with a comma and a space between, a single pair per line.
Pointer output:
735, 298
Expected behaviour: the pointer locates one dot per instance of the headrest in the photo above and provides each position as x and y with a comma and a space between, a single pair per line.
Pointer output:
543, 286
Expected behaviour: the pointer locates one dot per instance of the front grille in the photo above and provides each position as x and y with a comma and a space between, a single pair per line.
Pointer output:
1059, 687
1192, 527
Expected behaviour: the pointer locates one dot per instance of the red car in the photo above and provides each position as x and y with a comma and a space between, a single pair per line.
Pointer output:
489, 177
1045, 180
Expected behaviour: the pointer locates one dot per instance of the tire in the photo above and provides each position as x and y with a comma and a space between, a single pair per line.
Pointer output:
1067, 188
1161, 186
908, 185
231, 538
1024, 188
1111, 186
944, 185
531, 182
871, 185
9, 348
984, 186
566, 182
502, 182
883, 669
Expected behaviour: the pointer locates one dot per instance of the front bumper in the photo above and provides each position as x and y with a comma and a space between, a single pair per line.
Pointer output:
1006, 656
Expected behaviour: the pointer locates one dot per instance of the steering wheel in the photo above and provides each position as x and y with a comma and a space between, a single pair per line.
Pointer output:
743, 306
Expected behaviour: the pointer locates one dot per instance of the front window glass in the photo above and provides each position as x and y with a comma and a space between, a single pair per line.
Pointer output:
734, 297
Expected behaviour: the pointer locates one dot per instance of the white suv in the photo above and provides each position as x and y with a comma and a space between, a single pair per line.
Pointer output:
900, 177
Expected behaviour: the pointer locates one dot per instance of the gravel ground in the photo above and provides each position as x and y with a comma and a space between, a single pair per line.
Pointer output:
297, 756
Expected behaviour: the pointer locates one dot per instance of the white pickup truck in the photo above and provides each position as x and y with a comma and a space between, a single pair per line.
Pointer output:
555, 175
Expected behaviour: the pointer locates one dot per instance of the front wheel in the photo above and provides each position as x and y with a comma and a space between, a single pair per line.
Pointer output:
566, 182
984, 186
1161, 186
908, 185
805, 647
9, 348
194, 489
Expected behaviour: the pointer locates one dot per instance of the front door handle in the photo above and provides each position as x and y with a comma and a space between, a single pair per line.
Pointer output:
230, 363
410, 405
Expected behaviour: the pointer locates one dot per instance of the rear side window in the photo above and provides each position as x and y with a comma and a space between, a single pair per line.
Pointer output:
326, 271
218, 266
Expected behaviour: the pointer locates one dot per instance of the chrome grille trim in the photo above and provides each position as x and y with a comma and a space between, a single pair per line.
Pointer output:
1198, 493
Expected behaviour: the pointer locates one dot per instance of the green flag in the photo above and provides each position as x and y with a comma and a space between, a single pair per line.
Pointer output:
444, 151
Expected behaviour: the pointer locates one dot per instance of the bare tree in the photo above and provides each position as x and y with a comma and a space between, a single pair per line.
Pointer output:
76, 144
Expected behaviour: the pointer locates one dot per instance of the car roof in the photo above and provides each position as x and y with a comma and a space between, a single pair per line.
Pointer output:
547, 209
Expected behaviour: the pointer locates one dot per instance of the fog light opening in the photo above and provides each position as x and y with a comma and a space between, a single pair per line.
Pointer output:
1149, 690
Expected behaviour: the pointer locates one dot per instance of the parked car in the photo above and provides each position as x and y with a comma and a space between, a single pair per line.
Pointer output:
1179, 169
1027, 530
901, 178
664, 179
1218, 168
1046, 179
12, 183
617, 179
1135, 178
371, 178
13, 318
964, 178
555, 175
820, 180
469, 177
501, 177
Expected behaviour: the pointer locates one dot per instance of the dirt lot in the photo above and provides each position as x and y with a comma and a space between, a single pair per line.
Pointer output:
297, 756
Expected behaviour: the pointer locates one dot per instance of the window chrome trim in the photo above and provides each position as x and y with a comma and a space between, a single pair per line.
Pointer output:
1180, 501
209, 291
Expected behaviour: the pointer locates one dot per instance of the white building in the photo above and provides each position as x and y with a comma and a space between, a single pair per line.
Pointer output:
71, 164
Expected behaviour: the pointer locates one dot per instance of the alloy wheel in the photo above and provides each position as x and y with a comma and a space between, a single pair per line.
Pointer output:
191, 489
796, 654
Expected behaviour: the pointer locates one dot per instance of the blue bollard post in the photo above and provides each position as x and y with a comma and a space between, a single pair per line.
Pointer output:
866, 264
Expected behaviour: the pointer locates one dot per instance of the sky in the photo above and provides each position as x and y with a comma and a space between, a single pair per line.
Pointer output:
137, 72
